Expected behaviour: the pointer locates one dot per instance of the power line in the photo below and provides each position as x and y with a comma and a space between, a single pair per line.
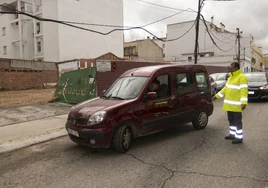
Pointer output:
203, 19
220, 39
167, 7
166, 18
183, 34
90, 30
115, 26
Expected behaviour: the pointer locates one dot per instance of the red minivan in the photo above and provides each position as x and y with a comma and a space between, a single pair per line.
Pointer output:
142, 101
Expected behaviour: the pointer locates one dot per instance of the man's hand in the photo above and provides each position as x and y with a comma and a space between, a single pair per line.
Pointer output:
243, 106
213, 98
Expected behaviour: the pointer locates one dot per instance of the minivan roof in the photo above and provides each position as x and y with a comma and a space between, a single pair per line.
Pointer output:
150, 70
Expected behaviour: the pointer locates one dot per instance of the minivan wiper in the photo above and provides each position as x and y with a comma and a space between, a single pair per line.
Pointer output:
104, 96
115, 97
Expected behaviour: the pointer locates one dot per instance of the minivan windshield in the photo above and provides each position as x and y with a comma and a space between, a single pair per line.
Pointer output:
125, 88
256, 77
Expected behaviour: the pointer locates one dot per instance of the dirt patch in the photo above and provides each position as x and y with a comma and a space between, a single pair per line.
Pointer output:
19, 114
25, 97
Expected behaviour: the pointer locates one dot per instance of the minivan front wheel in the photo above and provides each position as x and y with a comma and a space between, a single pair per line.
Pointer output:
122, 139
200, 120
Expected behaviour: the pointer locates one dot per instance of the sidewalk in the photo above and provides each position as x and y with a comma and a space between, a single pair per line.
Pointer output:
16, 136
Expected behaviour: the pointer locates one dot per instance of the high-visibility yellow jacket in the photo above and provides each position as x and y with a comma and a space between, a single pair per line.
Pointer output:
235, 92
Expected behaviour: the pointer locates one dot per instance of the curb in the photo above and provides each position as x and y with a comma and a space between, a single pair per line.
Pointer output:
12, 145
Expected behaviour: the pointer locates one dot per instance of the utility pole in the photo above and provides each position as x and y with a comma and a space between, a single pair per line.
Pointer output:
239, 44
238, 40
197, 32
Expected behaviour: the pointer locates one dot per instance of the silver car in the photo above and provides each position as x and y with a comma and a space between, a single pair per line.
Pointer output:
220, 79
213, 86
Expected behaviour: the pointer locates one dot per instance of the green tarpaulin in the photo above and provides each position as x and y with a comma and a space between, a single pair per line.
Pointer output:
76, 86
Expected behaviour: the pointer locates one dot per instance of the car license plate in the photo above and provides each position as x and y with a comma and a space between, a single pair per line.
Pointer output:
72, 132
251, 92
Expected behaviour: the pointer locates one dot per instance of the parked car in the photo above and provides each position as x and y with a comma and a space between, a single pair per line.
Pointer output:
220, 79
257, 85
142, 101
213, 86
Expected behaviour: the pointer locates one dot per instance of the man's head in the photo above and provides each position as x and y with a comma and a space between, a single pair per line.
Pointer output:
154, 85
234, 67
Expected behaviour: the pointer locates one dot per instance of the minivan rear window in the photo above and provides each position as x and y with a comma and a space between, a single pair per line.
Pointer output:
184, 84
202, 82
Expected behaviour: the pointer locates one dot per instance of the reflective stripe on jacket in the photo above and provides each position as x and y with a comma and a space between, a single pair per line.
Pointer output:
235, 92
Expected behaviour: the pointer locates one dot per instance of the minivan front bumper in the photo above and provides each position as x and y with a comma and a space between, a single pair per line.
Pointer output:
93, 138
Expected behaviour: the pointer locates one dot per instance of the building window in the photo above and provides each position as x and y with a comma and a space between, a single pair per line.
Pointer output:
190, 58
3, 31
39, 47
4, 50
38, 28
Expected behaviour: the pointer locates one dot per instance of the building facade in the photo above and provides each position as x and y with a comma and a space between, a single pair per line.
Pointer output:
27, 38
147, 50
265, 61
257, 59
182, 50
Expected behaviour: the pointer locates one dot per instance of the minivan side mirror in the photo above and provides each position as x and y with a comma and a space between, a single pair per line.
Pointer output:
151, 95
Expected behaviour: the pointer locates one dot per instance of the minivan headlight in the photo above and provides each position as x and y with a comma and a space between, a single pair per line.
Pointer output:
96, 118
264, 87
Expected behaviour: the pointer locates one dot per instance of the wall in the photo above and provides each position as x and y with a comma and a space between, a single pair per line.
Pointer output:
22, 74
75, 43
26, 80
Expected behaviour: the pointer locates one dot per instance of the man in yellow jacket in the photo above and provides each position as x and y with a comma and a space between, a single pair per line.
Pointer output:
235, 95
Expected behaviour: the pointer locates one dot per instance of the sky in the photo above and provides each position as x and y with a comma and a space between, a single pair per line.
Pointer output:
248, 15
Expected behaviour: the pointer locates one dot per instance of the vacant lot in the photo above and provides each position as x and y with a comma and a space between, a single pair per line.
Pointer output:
25, 97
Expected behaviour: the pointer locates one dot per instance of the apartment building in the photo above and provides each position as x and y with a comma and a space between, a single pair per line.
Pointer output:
26, 38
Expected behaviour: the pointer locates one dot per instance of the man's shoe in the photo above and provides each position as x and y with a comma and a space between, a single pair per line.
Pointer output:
229, 137
237, 141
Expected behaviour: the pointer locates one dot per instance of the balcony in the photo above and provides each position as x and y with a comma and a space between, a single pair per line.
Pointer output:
38, 10
18, 40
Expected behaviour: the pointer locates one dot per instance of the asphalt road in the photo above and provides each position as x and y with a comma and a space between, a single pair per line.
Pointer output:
179, 157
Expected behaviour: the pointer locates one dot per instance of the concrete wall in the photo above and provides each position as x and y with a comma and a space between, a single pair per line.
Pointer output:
14, 64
